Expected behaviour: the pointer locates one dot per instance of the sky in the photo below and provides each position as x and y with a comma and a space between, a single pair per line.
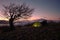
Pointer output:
47, 9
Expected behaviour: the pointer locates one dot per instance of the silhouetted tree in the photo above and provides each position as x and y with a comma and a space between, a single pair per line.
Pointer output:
15, 12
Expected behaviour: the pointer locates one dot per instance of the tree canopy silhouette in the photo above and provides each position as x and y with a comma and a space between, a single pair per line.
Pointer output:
15, 12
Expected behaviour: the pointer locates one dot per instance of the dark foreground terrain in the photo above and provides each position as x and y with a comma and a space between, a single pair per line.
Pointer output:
50, 32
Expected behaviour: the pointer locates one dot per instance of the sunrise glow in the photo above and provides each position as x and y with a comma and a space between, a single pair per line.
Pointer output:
3, 19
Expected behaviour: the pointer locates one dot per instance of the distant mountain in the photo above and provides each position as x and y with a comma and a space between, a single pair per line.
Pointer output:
23, 22
28, 22
3, 22
40, 20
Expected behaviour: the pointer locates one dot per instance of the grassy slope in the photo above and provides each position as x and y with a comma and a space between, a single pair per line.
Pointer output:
31, 33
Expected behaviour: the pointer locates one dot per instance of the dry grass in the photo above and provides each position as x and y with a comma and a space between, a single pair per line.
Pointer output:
30, 33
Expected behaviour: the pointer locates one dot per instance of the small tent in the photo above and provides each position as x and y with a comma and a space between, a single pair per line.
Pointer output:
37, 24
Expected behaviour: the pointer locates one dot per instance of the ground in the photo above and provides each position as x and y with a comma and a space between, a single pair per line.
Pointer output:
31, 33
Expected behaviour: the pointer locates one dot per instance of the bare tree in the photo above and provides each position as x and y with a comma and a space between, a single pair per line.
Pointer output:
15, 12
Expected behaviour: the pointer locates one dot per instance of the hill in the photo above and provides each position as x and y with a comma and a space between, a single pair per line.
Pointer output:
31, 33
48, 32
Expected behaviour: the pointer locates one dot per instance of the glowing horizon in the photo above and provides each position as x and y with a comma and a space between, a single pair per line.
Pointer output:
31, 18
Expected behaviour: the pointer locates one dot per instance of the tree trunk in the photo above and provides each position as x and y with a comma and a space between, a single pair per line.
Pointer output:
11, 24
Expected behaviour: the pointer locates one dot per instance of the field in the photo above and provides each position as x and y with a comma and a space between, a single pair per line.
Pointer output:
48, 32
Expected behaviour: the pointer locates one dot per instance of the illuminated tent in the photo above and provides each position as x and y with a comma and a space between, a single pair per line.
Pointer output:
37, 24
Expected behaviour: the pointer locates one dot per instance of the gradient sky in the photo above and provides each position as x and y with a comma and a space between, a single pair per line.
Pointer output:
48, 9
